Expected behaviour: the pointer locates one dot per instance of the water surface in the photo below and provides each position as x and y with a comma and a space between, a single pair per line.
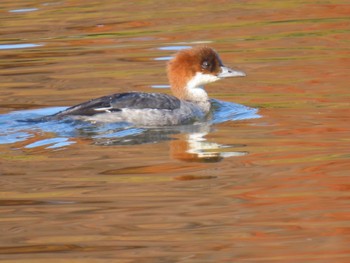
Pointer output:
236, 189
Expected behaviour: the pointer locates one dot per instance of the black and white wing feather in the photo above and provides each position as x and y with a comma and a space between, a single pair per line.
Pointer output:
116, 102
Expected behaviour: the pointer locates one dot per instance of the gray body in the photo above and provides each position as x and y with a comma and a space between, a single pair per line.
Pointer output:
142, 109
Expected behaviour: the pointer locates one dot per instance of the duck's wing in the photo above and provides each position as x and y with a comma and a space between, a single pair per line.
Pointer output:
116, 102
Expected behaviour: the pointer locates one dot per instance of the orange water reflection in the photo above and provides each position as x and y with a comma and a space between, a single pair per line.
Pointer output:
283, 199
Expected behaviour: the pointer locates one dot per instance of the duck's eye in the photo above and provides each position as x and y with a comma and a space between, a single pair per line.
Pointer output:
205, 65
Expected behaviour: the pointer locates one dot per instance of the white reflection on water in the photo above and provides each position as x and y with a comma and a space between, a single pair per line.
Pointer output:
18, 46
23, 10
173, 48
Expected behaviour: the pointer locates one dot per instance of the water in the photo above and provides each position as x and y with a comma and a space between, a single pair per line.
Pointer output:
266, 180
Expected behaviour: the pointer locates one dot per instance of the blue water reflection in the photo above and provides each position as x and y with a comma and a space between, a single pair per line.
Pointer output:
51, 143
173, 48
24, 10
18, 46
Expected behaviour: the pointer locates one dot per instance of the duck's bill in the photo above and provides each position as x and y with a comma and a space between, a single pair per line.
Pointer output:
227, 72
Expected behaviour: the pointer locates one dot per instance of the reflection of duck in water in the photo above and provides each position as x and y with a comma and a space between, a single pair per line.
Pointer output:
188, 71
194, 147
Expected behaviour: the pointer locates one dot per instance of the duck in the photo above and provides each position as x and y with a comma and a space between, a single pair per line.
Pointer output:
188, 71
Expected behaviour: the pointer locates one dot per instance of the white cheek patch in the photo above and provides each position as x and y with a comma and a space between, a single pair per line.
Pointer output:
201, 79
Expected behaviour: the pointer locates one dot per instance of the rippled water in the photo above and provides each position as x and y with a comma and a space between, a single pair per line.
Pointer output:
266, 180
19, 126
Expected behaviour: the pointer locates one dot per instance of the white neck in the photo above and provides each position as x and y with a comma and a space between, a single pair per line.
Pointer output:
196, 93
194, 88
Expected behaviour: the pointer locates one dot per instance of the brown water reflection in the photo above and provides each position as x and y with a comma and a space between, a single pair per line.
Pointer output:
284, 195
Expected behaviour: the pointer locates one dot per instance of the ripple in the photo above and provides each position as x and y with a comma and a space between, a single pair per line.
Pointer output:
23, 10
162, 58
173, 48
19, 126
18, 46
160, 86
52, 142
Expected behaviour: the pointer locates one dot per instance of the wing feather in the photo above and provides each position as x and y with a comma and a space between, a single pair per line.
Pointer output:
116, 102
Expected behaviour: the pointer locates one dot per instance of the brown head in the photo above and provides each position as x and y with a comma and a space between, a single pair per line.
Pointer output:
190, 69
